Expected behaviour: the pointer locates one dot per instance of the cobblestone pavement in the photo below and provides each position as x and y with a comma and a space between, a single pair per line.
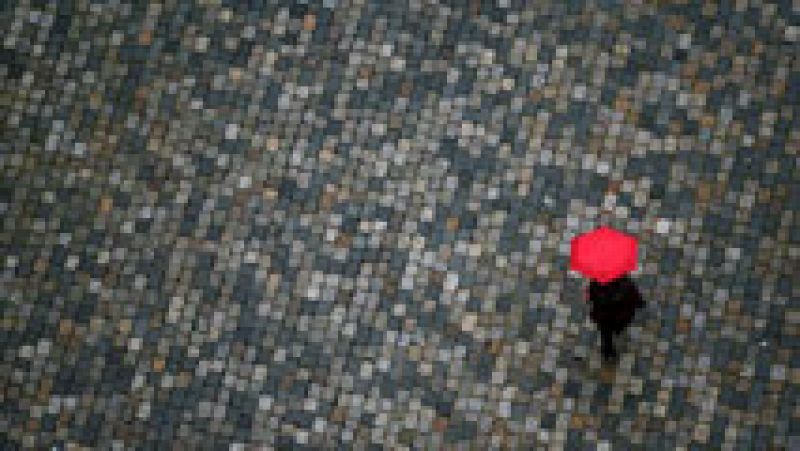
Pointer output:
346, 224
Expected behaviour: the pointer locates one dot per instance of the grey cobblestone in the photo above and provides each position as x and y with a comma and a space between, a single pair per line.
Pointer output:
345, 224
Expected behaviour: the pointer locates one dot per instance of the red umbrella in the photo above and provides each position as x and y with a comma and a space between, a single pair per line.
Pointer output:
603, 254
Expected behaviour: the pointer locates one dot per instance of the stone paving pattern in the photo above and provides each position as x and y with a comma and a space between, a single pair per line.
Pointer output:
345, 224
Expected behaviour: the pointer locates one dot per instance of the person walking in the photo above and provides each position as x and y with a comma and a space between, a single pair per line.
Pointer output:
613, 306
605, 256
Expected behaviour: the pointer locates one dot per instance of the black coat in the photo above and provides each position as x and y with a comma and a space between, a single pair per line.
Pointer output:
613, 304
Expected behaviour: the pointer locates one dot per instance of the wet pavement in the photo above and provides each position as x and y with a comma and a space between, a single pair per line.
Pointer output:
346, 224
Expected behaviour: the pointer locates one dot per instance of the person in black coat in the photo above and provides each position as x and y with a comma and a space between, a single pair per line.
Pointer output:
613, 305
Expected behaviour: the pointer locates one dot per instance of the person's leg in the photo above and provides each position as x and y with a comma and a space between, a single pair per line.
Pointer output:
606, 342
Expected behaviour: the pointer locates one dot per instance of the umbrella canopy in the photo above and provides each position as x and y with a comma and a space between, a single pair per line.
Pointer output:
603, 254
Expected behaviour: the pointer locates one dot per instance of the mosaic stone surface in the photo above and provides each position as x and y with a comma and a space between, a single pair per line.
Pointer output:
345, 224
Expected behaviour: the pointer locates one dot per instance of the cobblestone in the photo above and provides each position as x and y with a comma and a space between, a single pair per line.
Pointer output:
346, 223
